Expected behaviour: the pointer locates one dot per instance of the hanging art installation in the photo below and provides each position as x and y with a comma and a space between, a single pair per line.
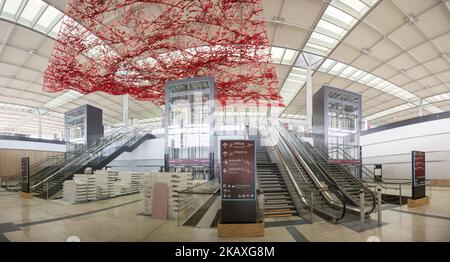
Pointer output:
133, 47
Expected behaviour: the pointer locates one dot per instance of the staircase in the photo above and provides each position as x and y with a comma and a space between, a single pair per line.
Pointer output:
48, 175
277, 201
95, 157
344, 180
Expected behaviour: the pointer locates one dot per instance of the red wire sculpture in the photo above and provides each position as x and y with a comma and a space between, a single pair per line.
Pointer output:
134, 47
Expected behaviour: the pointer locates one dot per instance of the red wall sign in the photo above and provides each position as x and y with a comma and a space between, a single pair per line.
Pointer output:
419, 168
418, 174
25, 174
238, 169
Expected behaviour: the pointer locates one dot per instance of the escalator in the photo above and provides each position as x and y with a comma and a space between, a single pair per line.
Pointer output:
337, 175
307, 193
277, 200
48, 175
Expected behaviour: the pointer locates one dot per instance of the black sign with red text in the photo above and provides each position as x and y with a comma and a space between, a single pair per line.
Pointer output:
238, 169
25, 174
418, 174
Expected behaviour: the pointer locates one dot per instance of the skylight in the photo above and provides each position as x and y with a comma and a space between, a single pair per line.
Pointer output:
337, 16
11, 6
289, 56
31, 10
48, 17
62, 99
327, 65
390, 111
317, 49
432, 109
337, 68
367, 78
347, 72
438, 98
354, 8
354, 4
56, 28
324, 27
276, 54
322, 40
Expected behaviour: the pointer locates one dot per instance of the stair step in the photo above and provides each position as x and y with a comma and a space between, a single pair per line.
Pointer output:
278, 202
280, 212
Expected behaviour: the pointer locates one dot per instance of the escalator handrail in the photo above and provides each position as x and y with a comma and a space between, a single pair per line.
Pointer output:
372, 195
342, 168
83, 157
347, 156
313, 162
323, 191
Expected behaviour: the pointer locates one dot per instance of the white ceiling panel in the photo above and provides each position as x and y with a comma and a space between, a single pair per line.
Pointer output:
385, 17
424, 52
385, 50
407, 36
442, 43
435, 21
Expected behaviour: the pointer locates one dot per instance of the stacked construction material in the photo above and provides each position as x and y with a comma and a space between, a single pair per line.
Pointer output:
76, 190
101, 185
136, 182
146, 193
176, 183
111, 180
91, 186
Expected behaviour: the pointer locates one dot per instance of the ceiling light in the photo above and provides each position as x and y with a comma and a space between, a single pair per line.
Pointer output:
30, 51
365, 51
445, 54
278, 20
403, 71
11, 76
411, 19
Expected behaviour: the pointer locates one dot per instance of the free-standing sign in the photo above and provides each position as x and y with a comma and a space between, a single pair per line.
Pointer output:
238, 181
418, 174
238, 169
25, 174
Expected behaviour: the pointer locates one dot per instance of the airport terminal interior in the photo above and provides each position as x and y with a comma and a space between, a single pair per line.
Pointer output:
224, 120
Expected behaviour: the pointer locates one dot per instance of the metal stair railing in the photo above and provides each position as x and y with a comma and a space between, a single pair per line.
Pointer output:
102, 149
321, 159
306, 193
46, 166
384, 185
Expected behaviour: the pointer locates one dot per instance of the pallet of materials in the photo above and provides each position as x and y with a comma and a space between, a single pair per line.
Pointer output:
176, 183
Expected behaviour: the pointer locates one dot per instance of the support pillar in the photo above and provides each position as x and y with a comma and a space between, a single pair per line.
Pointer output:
366, 124
309, 96
125, 110
39, 124
421, 108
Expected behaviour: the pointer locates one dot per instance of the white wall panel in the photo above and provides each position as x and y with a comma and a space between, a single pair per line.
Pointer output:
393, 147
29, 145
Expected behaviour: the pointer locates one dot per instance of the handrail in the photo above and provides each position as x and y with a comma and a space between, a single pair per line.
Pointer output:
97, 149
362, 186
298, 189
311, 159
367, 171
79, 155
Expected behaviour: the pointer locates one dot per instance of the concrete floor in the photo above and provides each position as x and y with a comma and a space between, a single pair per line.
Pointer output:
117, 219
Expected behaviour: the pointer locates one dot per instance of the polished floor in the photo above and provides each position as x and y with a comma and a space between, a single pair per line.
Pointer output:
118, 219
